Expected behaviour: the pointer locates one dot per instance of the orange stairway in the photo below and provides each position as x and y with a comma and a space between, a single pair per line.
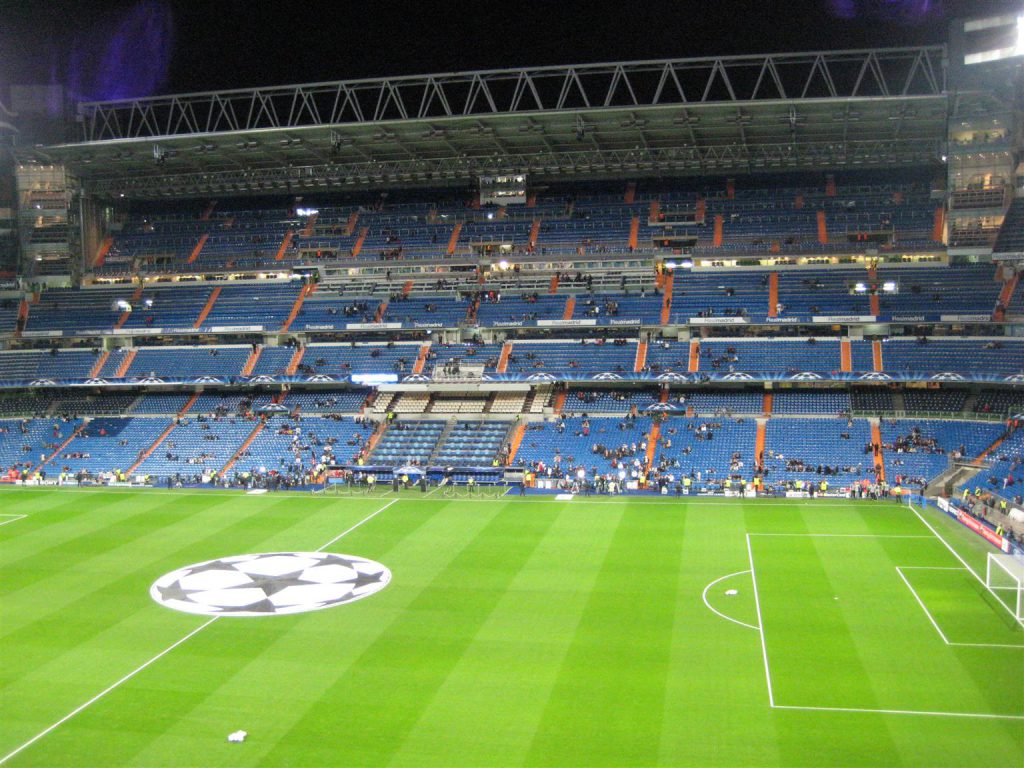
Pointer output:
773, 294
652, 444
630, 195
876, 305
759, 442
350, 227
421, 358
666, 299
283, 248
188, 406
830, 186
407, 288
60, 449
939, 224
845, 356
769, 399
104, 249
534, 233
22, 315
531, 200
553, 287
559, 401
297, 306
250, 364
359, 241
1005, 295
822, 229
136, 295
122, 369
198, 249
730, 188
570, 307
641, 357
293, 364
310, 225
506, 350
876, 439
379, 314
634, 233
205, 312
517, 440
149, 451
654, 211
876, 356
999, 441
209, 211
719, 230
242, 448
98, 365
694, 356
453, 241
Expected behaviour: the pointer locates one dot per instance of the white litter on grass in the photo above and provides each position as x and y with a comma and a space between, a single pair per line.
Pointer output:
731, 592
563, 497
256, 492
238, 736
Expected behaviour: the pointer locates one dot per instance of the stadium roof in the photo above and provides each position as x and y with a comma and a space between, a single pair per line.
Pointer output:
774, 112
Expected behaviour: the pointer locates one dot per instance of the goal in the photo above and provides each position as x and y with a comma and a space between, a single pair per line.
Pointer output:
1004, 577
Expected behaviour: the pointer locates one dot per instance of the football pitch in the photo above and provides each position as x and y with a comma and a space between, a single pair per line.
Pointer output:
596, 631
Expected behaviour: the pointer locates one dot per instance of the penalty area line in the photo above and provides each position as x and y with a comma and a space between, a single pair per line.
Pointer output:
923, 713
704, 597
13, 518
149, 662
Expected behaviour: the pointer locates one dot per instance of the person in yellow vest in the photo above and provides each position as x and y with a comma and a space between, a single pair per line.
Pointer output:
471, 484
823, 486
687, 483
371, 481
799, 485
1002, 506
728, 485
966, 493
405, 480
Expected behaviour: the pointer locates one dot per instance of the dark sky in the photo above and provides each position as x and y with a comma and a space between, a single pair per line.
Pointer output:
120, 48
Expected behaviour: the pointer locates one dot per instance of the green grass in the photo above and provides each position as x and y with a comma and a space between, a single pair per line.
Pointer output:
514, 632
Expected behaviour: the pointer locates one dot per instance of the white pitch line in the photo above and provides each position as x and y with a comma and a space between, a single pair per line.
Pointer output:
14, 518
107, 690
164, 652
704, 597
923, 606
925, 713
964, 562
851, 535
760, 625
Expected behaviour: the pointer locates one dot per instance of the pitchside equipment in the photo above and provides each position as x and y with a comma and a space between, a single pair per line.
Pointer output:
1004, 578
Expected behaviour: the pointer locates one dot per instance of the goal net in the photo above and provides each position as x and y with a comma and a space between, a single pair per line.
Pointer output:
1004, 577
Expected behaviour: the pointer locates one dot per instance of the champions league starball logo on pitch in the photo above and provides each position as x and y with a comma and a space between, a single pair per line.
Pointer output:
271, 584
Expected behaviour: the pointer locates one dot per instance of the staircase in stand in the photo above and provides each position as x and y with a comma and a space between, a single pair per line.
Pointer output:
242, 449
205, 312
759, 442
506, 350
517, 440
285, 244
60, 448
694, 356
198, 249
297, 306
453, 241
641, 357
570, 307
358, 247
773, 294
250, 364
94, 372
104, 249
876, 356
421, 359
845, 355
122, 369
876, 440
293, 364
666, 299
652, 444
149, 451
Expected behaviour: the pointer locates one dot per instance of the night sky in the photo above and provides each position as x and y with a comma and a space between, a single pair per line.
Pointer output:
118, 48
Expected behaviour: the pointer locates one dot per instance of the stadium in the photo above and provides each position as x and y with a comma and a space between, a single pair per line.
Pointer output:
654, 411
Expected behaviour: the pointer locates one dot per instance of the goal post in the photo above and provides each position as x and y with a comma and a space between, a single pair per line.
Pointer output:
1004, 578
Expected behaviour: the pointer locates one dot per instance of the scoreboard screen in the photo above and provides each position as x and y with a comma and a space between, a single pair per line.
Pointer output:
508, 189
